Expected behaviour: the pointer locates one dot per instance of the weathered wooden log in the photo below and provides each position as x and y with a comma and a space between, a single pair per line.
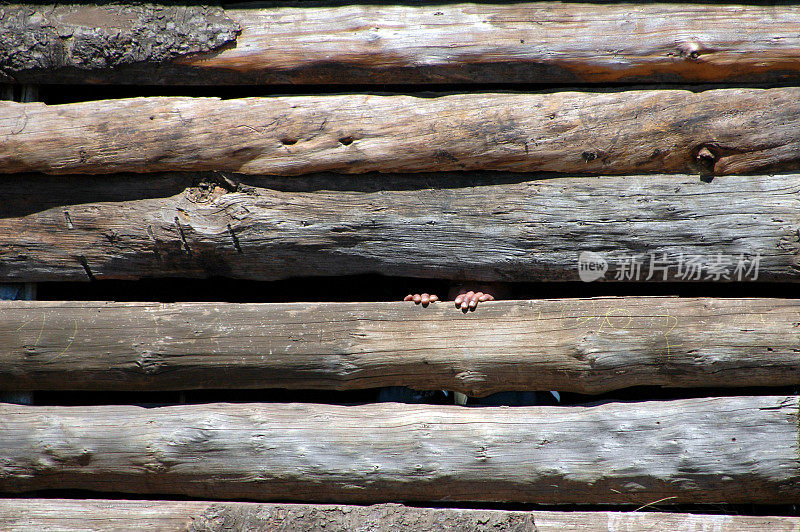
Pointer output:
732, 449
62, 42
13, 292
461, 43
726, 131
97, 515
583, 345
152, 226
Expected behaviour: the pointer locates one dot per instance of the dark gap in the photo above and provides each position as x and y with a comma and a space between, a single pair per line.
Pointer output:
371, 395
787, 510
168, 398
64, 191
63, 94
368, 288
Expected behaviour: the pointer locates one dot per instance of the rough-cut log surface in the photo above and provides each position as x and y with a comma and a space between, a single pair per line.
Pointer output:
54, 43
461, 43
583, 345
733, 449
725, 131
35, 515
93, 227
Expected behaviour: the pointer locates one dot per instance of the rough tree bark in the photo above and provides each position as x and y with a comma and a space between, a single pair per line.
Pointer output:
726, 131
453, 43
39, 515
732, 450
62, 43
152, 226
581, 345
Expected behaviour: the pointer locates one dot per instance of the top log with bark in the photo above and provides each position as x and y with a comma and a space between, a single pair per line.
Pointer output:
453, 43
725, 131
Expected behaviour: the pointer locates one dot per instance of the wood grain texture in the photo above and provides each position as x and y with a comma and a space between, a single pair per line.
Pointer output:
732, 450
468, 43
581, 345
40, 515
724, 131
166, 226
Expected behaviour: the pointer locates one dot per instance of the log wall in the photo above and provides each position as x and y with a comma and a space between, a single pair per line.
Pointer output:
278, 186
376, 44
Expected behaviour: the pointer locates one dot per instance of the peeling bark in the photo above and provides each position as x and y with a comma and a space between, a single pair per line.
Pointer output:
39, 41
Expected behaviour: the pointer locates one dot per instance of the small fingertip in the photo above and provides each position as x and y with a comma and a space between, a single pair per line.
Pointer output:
434, 298
485, 297
409, 297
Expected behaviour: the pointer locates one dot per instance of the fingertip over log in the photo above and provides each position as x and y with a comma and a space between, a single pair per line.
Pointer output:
574, 345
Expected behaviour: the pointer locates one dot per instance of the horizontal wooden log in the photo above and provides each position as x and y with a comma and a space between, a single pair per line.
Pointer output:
39, 515
162, 226
719, 450
581, 345
452, 43
726, 131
